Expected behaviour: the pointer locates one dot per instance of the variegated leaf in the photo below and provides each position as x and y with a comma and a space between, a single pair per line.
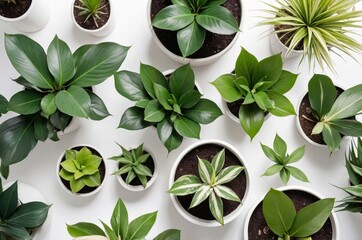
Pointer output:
200, 195
218, 161
216, 207
205, 170
185, 185
226, 193
228, 174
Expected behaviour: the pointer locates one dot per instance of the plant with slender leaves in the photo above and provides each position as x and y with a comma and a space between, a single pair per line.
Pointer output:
282, 160
3, 105
332, 114
284, 221
260, 88
56, 88
92, 9
121, 229
132, 163
172, 104
17, 219
80, 169
8, 1
318, 26
192, 18
209, 184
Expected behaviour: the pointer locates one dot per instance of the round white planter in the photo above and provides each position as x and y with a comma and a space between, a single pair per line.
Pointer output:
193, 61
190, 217
105, 30
276, 46
332, 217
34, 19
80, 194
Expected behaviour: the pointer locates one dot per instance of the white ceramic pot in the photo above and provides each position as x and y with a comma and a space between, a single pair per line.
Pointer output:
332, 217
106, 29
187, 215
276, 46
80, 194
140, 188
193, 61
93, 237
34, 19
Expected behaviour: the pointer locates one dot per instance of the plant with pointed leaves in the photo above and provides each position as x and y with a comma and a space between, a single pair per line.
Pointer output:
8, 1
282, 159
18, 219
121, 229
284, 221
192, 18
172, 104
56, 88
3, 105
92, 9
332, 115
260, 88
209, 184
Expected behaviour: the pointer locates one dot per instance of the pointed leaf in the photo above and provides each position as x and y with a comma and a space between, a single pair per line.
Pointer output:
273, 170
189, 99
9, 201
226, 193
185, 185
284, 175
109, 233
284, 83
201, 194
74, 101
218, 20
270, 153
41, 128
15, 232
129, 85
263, 100
297, 173
218, 161
331, 137
170, 234
173, 18
25, 102
216, 207
205, 170
163, 96
296, 155
204, 112
119, 220
226, 87
97, 110
228, 174
245, 65
92, 180
139, 227
182, 80
173, 141
268, 69
280, 147
190, 39
251, 119
84, 229
150, 75
47, 104
30, 215
154, 112
282, 106
187, 127
133, 119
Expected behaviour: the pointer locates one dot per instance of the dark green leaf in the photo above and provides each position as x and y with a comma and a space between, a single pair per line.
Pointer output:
74, 101
9, 201
154, 112
97, 110
282, 106
47, 104
23, 82
331, 137
187, 127
173, 141
284, 83
119, 220
245, 65
182, 80
84, 229
189, 99
268, 70
163, 96
78, 54
139, 227
129, 85
190, 39
60, 120
41, 129
251, 119
150, 75
30, 215
133, 119
218, 20
25, 102
204, 112
183, 3
348, 127
214, 2
226, 87
297, 173
3, 105
15, 232
170, 234
173, 18
164, 130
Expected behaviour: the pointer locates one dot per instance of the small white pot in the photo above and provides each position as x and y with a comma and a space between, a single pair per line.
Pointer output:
193, 61
140, 188
276, 46
80, 194
190, 217
332, 217
34, 19
105, 30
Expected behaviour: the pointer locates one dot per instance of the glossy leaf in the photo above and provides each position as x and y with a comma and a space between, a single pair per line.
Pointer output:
84, 229
139, 227
228, 174
270, 153
9, 201
218, 20
182, 80
170, 234
129, 85
296, 155
47, 104
173, 18
268, 70
282, 106
280, 147
154, 112
60, 120
284, 83
30, 215
97, 110
74, 101
119, 219
331, 137
204, 112
191, 38
41, 129
226, 87
297, 173
185, 185
3, 105
273, 170
216, 207
218, 161
245, 65
163, 96
132, 119
251, 119
78, 54
109, 233
150, 75
189, 99
25, 102
187, 127
174, 141
206, 171
183, 3
200, 195
15, 232
263, 100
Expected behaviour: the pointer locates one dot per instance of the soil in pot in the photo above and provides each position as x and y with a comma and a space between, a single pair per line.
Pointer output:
90, 23
259, 230
213, 44
102, 171
188, 165
12, 10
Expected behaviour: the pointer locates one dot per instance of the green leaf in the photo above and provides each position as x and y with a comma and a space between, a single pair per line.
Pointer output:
170, 234
173, 141
26, 84
280, 147
200, 195
76, 185
183, 3
218, 161
205, 169
284, 175
69, 166
142, 103
41, 129
297, 173
154, 112
226, 87
245, 65
164, 130
124, 169
331, 137
66, 175
163, 96
182, 80
130, 176
15, 232
296, 155
129, 85
189, 99
270, 153
218, 20
354, 190
282, 106
251, 119
187, 127
216, 208
84, 229
25, 102
142, 170
74, 101
214, 2
119, 220
228, 174
139, 227
60, 120
226, 193
3, 105
47, 104
29, 59
132, 119
30, 215
150, 75
78, 54
173, 18
273, 170
191, 38
185, 185
9, 201
284, 83
204, 112
263, 100
347, 127
268, 70
92, 180
97, 110
109, 233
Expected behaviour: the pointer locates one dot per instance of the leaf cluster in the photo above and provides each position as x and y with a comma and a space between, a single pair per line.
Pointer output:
132, 165
283, 219
172, 104
121, 229
260, 86
92, 9
18, 219
209, 184
319, 25
333, 114
282, 160
80, 169
192, 18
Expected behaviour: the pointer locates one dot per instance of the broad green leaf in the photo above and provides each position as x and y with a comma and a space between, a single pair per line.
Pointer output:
97, 110
204, 112
200, 195
132, 119
185, 185
164, 130
245, 65
9, 201
109, 233
66, 175
15, 232
154, 112
348, 127
25, 102
226, 193
251, 119
263, 100
129, 85
74, 101
242, 85
268, 70
187, 127
273, 170
183, 3
284, 175
296, 155
173, 18
84, 229
119, 220
3, 105
297, 173
189, 99
163, 96
60, 120
226, 87
139, 227
218, 161
47, 104
76, 185
182, 80
331, 137
216, 207
190, 39
174, 141
218, 20
150, 75
30, 215
205, 169
228, 174
41, 128
142, 103
282, 106
210, 3
270, 153
92, 180
284, 83
78, 54
280, 147
69, 166
170, 234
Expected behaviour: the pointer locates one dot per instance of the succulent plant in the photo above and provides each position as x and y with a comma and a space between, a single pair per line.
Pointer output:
92, 9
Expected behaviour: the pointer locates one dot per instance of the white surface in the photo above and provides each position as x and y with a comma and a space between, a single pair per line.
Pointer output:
132, 29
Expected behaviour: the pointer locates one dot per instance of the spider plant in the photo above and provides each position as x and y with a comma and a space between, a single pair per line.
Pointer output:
92, 9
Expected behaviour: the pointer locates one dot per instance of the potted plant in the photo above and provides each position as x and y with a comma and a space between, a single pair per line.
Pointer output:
25, 15
169, 103
56, 88
196, 32
292, 213
315, 28
327, 113
81, 171
256, 89
208, 183
136, 168
95, 17
121, 228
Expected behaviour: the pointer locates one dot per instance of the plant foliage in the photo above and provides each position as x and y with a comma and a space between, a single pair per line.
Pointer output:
92, 9
3, 105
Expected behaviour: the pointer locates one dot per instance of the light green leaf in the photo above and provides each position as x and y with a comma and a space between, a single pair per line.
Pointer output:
84, 229
273, 170
228, 174
282, 106
296, 155
170, 234
92, 180
270, 153
139, 227
201, 194
284, 175
76, 185
280, 147
263, 100
142, 170
297, 173
109, 233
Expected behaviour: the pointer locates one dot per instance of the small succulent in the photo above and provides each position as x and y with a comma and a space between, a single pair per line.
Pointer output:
192, 18
3, 105
80, 169
121, 229
132, 164
284, 221
209, 184
282, 160
92, 9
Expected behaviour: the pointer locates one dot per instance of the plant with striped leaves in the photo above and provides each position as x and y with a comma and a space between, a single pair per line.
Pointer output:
209, 184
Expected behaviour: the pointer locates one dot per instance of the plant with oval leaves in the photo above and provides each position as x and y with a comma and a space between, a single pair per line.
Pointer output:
92, 9
284, 221
192, 18
170, 103
209, 184
259, 87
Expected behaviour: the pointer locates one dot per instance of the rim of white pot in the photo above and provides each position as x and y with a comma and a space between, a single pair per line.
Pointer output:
140, 188
81, 194
194, 61
277, 46
20, 17
193, 219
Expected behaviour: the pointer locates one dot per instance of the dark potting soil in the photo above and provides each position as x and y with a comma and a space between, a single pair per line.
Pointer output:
102, 171
259, 230
213, 43
12, 10
189, 165
284, 37
90, 24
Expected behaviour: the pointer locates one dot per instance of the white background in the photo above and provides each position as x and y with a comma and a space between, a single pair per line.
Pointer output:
39, 168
